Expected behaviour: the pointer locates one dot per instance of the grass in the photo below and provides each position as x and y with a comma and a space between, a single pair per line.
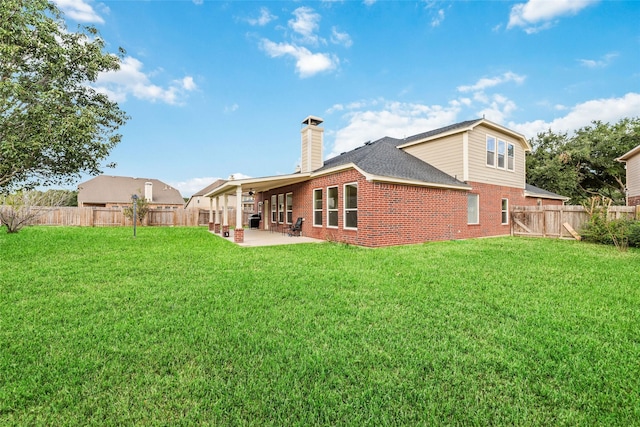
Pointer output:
178, 327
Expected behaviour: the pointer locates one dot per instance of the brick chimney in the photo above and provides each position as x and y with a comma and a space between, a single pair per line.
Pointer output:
311, 144
148, 191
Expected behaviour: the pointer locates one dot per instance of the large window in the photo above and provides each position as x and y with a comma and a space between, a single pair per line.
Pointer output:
289, 208
351, 205
491, 151
505, 211
280, 208
511, 157
274, 209
473, 209
317, 207
332, 207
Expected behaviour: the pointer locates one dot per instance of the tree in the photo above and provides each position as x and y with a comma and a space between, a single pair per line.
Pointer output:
142, 208
53, 125
584, 165
24, 207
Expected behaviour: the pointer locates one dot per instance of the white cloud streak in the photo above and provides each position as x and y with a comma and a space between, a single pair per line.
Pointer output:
603, 62
306, 23
488, 82
262, 20
307, 62
131, 80
537, 15
79, 10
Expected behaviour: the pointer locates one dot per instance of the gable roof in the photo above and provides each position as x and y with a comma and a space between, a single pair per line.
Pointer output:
217, 183
383, 159
119, 189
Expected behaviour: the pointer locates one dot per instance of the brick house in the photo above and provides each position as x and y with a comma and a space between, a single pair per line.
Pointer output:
632, 160
116, 191
455, 182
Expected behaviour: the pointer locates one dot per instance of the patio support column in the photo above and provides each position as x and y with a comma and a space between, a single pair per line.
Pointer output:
238, 234
225, 215
211, 227
216, 226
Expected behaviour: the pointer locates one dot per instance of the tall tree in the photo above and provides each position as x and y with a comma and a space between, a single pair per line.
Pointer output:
584, 164
53, 125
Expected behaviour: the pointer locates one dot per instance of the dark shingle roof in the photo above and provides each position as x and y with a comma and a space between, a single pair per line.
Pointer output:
383, 158
542, 193
445, 129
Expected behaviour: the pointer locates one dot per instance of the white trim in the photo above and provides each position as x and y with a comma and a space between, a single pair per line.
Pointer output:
333, 209
477, 209
313, 206
344, 205
286, 208
502, 211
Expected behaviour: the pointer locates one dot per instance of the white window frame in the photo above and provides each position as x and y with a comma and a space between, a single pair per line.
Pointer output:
502, 154
349, 209
504, 212
477, 206
315, 207
288, 208
281, 208
331, 209
511, 158
494, 152
274, 209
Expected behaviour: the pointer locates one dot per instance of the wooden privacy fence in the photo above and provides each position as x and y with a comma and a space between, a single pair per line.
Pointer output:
113, 217
559, 221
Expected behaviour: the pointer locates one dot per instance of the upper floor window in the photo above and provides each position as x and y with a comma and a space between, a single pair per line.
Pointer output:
500, 153
491, 151
351, 205
317, 207
511, 157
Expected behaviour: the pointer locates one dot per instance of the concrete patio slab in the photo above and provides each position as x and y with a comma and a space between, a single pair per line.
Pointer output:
254, 237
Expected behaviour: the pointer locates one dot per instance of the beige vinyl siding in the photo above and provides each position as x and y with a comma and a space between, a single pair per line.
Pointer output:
478, 169
633, 175
444, 154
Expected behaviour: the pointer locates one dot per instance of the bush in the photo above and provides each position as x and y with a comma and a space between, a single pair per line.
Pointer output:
634, 234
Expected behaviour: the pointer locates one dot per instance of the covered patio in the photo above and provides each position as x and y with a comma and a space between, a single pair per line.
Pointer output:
219, 198
253, 238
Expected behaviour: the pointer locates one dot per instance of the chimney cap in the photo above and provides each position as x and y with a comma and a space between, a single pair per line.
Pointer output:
312, 120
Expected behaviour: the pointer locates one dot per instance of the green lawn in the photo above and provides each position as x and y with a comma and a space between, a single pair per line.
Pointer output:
178, 327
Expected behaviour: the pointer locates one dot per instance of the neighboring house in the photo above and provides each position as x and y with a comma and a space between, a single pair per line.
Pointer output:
116, 192
632, 160
199, 201
456, 182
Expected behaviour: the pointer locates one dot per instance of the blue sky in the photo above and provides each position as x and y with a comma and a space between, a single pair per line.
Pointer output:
216, 88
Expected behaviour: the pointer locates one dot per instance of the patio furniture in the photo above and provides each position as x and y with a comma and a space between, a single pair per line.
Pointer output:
254, 220
296, 229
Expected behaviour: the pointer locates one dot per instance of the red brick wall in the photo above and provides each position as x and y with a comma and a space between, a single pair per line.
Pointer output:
634, 201
392, 214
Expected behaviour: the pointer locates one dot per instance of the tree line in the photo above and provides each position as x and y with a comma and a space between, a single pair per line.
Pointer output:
583, 164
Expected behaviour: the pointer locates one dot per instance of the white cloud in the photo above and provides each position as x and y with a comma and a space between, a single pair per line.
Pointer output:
307, 62
485, 83
306, 23
198, 2
264, 18
131, 80
598, 63
538, 15
343, 39
395, 119
437, 20
79, 10
231, 108
369, 2
608, 110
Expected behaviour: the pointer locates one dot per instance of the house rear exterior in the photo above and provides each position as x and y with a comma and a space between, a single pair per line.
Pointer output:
632, 160
456, 182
